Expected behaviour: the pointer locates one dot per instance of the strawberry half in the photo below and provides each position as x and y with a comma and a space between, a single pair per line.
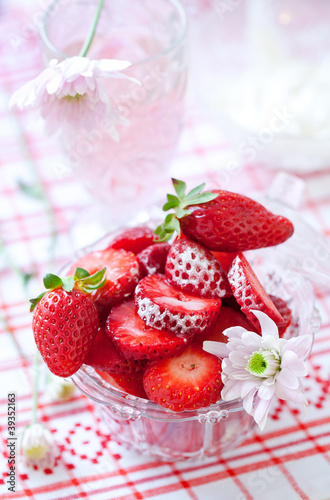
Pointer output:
134, 239
226, 319
186, 382
65, 320
221, 220
135, 340
225, 259
122, 275
153, 258
132, 384
250, 294
104, 356
164, 307
194, 269
284, 311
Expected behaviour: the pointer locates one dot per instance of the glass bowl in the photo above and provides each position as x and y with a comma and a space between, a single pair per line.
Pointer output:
195, 434
261, 70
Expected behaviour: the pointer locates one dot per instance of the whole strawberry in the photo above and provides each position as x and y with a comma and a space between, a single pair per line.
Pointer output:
222, 221
65, 320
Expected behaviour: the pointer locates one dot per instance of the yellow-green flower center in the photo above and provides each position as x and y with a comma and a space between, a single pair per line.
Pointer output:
263, 363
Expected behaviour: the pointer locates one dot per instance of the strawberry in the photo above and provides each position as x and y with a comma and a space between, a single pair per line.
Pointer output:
222, 221
164, 307
225, 259
153, 258
284, 311
194, 269
134, 239
65, 320
226, 319
132, 383
122, 275
135, 340
250, 294
104, 356
186, 382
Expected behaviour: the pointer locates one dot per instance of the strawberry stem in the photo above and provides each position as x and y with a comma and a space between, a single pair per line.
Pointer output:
179, 204
36, 387
81, 279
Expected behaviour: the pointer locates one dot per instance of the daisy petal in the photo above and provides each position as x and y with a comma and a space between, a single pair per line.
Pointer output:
267, 325
260, 412
217, 348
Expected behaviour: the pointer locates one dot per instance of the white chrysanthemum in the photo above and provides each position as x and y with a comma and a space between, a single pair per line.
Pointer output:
70, 97
38, 447
257, 368
58, 389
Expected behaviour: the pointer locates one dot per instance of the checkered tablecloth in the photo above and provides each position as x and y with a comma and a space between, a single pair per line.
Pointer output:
290, 459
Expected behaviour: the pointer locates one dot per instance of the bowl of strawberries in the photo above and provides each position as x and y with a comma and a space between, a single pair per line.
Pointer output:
129, 321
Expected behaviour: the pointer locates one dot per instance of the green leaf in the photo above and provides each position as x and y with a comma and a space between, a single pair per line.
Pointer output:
52, 281
168, 219
180, 188
31, 190
176, 225
197, 190
172, 202
95, 278
35, 301
203, 198
181, 213
159, 229
81, 273
68, 283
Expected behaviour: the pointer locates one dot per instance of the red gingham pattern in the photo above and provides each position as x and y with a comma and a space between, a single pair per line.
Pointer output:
289, 460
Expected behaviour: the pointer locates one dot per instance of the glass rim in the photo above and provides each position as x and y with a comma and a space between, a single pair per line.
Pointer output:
177, 42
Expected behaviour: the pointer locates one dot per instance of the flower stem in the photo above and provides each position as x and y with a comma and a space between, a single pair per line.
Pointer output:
36, 387
91, 34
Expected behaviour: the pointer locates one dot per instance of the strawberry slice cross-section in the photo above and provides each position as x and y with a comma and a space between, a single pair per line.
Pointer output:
164, 307
104, 356
135, 340
250, 294
186, 382
194, 269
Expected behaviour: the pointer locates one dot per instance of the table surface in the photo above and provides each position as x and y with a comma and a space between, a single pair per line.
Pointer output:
290, 459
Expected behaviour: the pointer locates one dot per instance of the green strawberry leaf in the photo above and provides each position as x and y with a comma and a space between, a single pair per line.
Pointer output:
81, 280
81, 273
180, 188
52, 281
180, 203
68, 283
197, 190
203, 198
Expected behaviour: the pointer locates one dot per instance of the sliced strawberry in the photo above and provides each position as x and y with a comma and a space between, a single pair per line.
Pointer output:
122, 275
104, 356
134, 239
186, 382
164, 307
232, 222
135, 340
227, 318
193, 269
153, 258
250, 294
225, 259
132, 383
284, 311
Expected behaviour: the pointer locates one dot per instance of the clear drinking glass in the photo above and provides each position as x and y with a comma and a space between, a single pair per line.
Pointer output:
195, 434
126, 176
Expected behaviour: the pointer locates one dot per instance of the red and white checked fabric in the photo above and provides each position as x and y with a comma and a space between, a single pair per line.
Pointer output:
290, 459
